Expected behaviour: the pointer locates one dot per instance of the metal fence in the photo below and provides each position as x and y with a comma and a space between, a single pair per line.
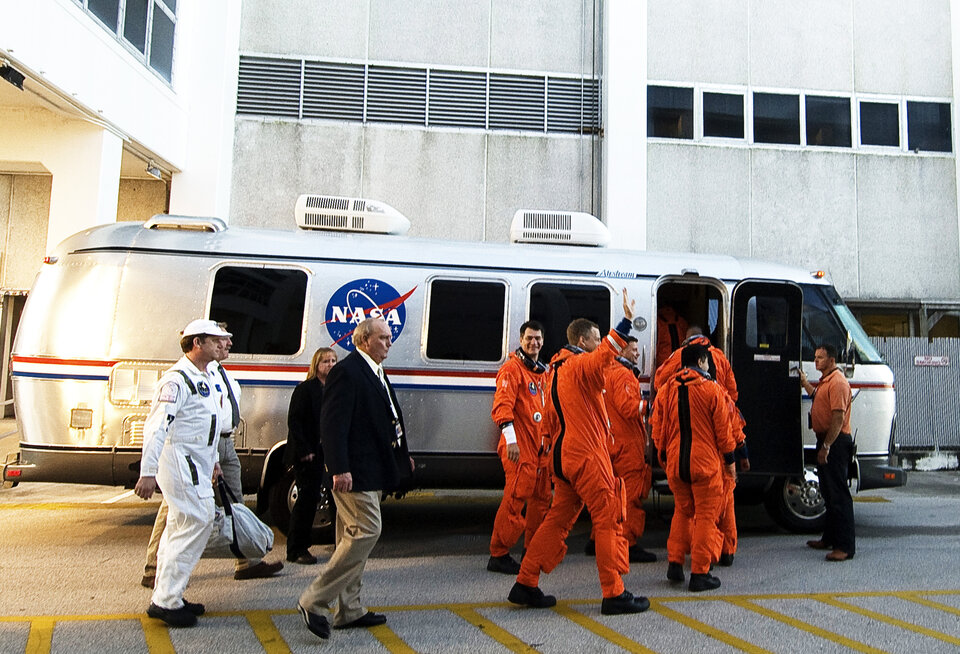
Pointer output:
928, 397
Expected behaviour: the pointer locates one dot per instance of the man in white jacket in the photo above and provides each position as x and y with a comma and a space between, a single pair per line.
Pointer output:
180, 438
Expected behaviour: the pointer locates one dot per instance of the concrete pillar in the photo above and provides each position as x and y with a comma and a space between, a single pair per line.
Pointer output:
624, 158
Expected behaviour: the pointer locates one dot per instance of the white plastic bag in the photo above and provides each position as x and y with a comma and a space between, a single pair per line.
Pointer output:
237, 531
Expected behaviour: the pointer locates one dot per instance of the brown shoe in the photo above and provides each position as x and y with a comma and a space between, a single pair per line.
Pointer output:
839, 555
819, 545
148, 581
259, 571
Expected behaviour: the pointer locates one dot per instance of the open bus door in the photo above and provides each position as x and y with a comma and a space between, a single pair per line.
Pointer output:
765, 352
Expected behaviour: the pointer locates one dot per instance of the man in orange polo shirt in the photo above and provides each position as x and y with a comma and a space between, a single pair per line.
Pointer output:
830, 420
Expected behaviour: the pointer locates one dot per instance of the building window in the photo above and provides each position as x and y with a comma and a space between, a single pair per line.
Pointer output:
828, 121
457, 307
146, 26
263, 308
776, 118
723, 115
555, 305
670, 112
880, 124
928, 126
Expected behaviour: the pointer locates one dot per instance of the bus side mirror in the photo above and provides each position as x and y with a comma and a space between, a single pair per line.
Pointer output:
850, 357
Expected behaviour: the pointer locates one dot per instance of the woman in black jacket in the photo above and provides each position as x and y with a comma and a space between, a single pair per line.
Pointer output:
304, 454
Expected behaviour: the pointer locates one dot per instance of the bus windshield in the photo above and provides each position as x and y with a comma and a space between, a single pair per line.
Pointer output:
826, 319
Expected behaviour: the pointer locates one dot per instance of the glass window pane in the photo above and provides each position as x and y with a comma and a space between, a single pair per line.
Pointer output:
776, 118
262, 307
670, 112
107, 11
879, 123
928, 126
457, 304
766, 326
135, 24
828, 121
723, 115
161, 44
172, 4
556, 305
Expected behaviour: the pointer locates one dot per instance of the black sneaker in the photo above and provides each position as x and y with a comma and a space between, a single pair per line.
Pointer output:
702, 582
530, 596
624, 603
194, 607
317, 624
505, 564
726, 560
640, 555
675, 571
181, 617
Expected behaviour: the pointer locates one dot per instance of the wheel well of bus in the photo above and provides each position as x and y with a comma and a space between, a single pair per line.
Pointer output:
273, 469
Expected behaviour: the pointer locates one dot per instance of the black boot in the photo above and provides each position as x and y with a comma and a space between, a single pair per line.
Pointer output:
624, 603
530, 596
675, 571
504, 564
701, 582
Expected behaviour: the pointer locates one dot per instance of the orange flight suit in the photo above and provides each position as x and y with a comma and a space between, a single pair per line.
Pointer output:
519, 399
625, 407
720, 368
727, 522
671, 330
691, 430
577, 421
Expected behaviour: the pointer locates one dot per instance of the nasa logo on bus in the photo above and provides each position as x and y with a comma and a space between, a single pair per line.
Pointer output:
360, 299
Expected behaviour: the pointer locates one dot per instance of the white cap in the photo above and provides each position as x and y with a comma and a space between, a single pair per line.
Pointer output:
204, 327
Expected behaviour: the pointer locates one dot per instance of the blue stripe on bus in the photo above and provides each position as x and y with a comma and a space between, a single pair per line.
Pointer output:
45, 375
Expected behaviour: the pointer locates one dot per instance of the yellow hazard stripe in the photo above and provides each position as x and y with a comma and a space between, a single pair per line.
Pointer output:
914, 597
492, 630
599, 629
157, 637
41, 636
803, 626
389, 639
706, 629
882, 617
267, 633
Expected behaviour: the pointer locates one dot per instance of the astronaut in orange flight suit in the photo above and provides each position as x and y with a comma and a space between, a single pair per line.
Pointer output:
671, 327
577, 422
518, 410
691, 431
719, 368
626, 409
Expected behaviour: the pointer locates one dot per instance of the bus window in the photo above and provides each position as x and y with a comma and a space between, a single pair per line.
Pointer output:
263, 308
766, 325
556, 305
466, 320
826, 319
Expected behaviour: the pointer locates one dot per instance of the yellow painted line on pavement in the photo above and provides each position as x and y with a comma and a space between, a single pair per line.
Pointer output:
803, 626
707, 630
599, 629
41, 636
389, 639
267, 632
867, 499
157, 637
492, 630
914, 597
882, 617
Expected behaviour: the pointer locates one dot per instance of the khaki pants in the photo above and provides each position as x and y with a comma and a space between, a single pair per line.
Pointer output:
338, 584
230, 465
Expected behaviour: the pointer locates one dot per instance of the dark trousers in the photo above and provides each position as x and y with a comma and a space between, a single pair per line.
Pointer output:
309, 476
839, 530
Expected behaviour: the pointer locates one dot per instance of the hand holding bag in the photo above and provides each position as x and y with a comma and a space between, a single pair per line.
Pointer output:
237, 531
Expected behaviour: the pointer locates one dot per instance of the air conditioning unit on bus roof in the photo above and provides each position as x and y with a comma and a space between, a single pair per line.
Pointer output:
339, 214
561, 227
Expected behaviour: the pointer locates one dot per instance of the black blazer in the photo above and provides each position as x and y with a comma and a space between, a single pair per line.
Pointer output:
303, 422
357, 429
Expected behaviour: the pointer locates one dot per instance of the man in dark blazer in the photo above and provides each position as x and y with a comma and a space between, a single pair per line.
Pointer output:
365, 454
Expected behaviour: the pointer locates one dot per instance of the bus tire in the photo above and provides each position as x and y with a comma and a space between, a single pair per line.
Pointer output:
795, 503
283, 494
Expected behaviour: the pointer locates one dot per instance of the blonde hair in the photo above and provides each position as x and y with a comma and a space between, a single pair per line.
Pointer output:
319, 354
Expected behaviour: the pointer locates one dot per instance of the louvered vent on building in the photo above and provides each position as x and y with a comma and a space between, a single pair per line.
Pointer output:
333, 91
269, 87
591, 106
516, 102
396, 95
571, 105
458, 98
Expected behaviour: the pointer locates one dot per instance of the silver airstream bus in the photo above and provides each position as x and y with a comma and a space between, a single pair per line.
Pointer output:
101, 324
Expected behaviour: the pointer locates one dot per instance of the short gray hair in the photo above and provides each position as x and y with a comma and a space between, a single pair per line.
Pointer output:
362, 333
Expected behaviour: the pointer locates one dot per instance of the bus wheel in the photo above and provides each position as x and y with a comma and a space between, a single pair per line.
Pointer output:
796, 504
283, 495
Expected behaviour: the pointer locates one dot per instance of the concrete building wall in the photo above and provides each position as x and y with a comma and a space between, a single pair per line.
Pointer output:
24, 207
882, 224
140, 199
451, 182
